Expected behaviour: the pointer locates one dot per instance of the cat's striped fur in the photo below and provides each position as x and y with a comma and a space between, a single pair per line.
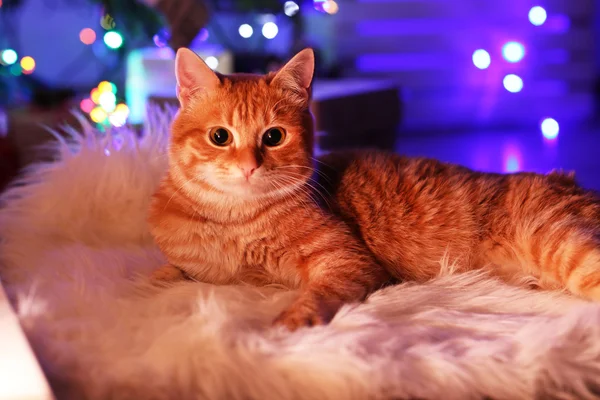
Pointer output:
234, 208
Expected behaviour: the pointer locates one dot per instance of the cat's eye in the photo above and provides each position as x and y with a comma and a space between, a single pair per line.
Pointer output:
221, 136
273, 137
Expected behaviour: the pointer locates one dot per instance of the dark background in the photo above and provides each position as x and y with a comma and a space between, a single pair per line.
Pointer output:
421, 51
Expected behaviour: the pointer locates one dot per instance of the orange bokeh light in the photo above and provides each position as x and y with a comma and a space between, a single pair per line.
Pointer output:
87, 36
28, 64
95, 95
104, 86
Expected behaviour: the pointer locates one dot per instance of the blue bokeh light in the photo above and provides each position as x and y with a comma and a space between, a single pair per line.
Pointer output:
513, 52
550, 128
513, 83
512, 164
481, 59
537, 15
9, 56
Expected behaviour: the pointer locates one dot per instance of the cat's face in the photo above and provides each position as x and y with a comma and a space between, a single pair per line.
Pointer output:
243, 135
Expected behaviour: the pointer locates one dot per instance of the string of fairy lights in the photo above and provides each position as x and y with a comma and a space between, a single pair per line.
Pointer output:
269, 29
513, 52
102, 105
26, 64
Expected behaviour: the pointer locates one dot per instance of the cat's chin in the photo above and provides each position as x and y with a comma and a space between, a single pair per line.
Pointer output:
242, 189
250, 192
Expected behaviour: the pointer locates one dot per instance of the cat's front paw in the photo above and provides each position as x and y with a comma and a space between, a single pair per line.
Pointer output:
167, 273
306, 312
295, 318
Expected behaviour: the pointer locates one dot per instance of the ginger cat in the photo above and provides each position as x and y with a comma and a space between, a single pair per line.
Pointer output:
239, 204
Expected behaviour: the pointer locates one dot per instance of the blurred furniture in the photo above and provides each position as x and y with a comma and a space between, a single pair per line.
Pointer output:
9, 162
356, 113
27, 133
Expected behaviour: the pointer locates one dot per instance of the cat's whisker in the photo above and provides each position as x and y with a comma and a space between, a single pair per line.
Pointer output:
314, 170
176, 191
306, 191
285, 187
308, 183
291, 193
309, 178
320, 162
296, 184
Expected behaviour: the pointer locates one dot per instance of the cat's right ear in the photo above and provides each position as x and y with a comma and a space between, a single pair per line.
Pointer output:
193, 75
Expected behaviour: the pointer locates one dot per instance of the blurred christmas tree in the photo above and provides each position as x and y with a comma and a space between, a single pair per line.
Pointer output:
118, 20
124, 25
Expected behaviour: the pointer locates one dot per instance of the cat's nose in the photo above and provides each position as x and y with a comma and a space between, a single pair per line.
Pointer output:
248, 162
247, 170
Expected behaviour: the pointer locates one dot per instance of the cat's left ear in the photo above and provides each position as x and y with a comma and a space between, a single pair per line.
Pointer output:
193, 75
298, 73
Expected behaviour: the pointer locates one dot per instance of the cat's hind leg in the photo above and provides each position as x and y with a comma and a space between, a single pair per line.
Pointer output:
548, 228
582, 272
563, 255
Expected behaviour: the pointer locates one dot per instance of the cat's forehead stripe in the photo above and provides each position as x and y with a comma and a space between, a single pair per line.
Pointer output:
250, 106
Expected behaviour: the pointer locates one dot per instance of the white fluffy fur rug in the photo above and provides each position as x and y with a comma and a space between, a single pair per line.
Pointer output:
75, 258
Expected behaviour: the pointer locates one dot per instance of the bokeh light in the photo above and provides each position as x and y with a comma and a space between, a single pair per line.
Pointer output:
102, 106
481, 59
203, 35
512, 163
512, 157
270, 30
513, 52
513, 83
119, 115
16, 70
122, 109
107, 101
290, 8
116, 120
245, 31
87, 105
28, 64
107, 22
105, 86
212, 62
95, 95
161, 39
327, 6
87, 36
113, 39
537, 15
9, 57
330, 7
98, 115
550, 128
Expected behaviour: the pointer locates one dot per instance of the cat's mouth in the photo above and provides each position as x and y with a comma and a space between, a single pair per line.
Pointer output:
258, 185
250, 187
